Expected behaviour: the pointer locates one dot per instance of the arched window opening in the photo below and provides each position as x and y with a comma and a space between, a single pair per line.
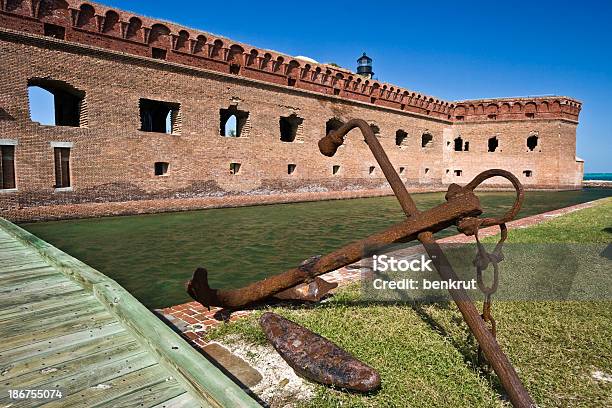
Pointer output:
426, 140
159, 116
55, 103
231, 127
111, 21
333, 125
233, 122
289, 127
86, 17
532, 142
401, 138
493, 144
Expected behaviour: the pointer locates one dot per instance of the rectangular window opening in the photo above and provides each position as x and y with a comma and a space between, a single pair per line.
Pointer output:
161, 168
159, 53
402, 170
458, 173
62, 167
160, 117
289, 127
290, 168
335, 169
54, 31
56, 103
7, 167
234, 168
371, 170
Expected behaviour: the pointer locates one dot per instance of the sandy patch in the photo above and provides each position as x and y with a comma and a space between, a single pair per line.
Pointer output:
280, 386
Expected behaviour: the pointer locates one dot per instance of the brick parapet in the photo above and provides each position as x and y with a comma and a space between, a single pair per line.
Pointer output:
101, 26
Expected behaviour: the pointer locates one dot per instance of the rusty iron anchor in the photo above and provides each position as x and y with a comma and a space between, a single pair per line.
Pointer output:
461, 207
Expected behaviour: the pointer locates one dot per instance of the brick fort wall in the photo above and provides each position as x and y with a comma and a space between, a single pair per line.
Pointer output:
112, 61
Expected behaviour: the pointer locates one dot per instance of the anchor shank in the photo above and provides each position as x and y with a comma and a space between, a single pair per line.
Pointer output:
496, 357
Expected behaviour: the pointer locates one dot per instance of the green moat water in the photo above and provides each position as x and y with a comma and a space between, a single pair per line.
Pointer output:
153, 255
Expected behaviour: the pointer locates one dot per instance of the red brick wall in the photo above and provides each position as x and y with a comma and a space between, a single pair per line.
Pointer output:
113, 161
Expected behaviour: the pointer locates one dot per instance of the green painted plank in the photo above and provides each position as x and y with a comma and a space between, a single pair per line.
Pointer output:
49, 357
60, 343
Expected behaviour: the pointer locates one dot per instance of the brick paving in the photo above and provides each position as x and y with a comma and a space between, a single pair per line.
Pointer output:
193, 319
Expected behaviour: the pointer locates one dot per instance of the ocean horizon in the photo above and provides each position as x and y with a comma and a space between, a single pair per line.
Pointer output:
598, 176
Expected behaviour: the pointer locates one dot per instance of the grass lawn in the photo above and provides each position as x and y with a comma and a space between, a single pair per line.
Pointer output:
425, 355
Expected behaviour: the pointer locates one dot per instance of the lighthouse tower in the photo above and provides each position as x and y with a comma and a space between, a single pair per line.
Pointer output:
364, 66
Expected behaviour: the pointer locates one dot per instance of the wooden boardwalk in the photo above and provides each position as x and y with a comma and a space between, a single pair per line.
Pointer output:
67, 327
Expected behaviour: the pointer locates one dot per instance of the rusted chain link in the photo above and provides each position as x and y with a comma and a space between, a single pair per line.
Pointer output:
482, 261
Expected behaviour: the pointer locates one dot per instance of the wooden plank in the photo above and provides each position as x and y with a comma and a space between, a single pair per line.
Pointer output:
99, 392
53, 370
50, 357
194, 372
184, 400
51, 318
26, 273
104, 380
65, 299
37, 296
60, 342
31, 280
15, 264
49, 333
147, 396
